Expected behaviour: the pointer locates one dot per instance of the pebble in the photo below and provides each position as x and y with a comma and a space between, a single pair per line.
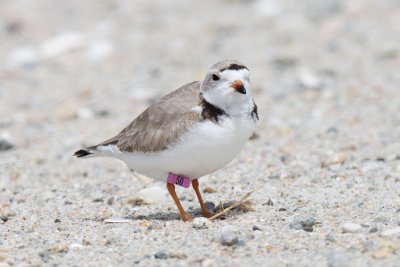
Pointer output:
201, 223
333, 160
6, 142
229, 236
177, 255
373, 230
304, 223
99, 50
351, 227
23, 57
210, 206
256, 228
308, 79
62, 44
209, 190
153, 194
391, 232
161, 254
85, 113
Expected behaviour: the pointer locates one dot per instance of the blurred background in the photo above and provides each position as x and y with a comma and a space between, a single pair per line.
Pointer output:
325, 75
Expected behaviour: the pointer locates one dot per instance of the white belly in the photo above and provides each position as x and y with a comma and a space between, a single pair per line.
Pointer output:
206, 148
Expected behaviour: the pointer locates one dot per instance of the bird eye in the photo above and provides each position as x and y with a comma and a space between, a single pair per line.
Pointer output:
215, 77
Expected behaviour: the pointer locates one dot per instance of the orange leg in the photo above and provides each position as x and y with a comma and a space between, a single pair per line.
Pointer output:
204, 210
171, 190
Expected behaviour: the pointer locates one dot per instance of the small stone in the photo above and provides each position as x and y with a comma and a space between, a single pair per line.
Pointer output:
153, 194
98, 199
6, 142
305, 223
333, 160
57, 220
391, 232
177, 255
282, 209
99, 50
229, 236
373, 230
351, 228
62, 44
210, 206
201, 223
256, 228
209, 190
85, 113
308, 79
23, 57
161, 255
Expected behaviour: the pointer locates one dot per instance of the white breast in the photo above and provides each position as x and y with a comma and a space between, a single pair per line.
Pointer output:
204, 149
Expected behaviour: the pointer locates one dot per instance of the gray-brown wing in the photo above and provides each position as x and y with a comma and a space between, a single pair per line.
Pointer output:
162, 124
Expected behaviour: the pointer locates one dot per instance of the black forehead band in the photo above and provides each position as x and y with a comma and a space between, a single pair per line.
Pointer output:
234, 67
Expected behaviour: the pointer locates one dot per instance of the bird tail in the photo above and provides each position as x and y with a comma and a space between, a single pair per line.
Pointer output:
102, 150
85, 153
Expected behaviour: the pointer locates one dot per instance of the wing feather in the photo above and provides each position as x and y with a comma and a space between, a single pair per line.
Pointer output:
162, 124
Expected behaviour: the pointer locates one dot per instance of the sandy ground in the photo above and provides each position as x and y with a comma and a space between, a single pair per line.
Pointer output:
325, 75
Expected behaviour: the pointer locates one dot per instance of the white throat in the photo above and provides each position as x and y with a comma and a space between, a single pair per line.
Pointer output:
235, 108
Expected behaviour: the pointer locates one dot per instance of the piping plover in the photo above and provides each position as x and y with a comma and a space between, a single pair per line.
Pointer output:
193, 131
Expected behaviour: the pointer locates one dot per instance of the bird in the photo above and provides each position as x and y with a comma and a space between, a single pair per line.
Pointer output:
191, 132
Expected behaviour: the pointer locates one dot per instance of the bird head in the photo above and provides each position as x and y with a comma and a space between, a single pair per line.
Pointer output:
227, 86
